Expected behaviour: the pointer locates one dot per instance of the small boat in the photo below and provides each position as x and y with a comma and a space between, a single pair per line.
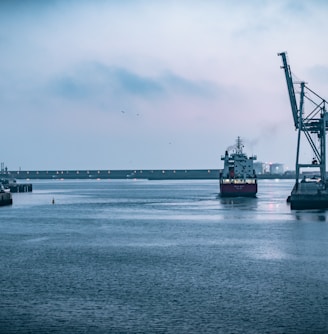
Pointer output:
238, 176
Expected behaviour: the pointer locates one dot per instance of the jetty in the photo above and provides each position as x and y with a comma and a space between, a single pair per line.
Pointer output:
14, 187
9, 182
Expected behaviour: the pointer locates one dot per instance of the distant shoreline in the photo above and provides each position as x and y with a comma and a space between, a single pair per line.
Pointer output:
150, 174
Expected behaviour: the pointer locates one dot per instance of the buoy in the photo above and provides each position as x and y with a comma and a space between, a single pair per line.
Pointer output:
53, 201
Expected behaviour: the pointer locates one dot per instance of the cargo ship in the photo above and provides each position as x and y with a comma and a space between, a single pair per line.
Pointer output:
238, 177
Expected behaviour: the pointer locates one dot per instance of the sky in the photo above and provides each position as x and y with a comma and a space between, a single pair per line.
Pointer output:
151, 84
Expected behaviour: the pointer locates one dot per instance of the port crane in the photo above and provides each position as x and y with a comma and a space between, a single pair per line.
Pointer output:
310, 122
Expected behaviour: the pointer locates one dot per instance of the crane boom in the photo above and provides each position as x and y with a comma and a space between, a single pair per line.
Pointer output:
310, 121
290, 86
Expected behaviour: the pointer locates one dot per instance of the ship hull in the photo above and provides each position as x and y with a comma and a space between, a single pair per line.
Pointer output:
238, 190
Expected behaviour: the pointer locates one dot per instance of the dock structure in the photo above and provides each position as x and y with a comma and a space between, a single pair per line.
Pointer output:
20, 187
308, 195
311, 123
9, 183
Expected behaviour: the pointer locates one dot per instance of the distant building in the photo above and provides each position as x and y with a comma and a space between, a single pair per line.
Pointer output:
276, 168
269, 168
259, 167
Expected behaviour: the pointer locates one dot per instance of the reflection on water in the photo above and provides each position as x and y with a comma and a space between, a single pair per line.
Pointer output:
239, 203
310, 215
267, 251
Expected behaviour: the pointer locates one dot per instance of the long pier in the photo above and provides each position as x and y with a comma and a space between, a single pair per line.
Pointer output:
150, 174
158, 174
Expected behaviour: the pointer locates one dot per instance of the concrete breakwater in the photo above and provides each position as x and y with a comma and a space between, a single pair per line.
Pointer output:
163, 174
156, 174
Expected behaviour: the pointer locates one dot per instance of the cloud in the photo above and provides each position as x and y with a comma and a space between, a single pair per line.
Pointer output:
318, 74
201, 72
94, 79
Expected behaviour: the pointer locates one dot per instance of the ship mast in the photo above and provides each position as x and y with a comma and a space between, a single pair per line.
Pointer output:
239, 146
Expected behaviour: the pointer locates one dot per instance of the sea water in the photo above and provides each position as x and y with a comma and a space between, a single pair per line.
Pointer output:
138, 256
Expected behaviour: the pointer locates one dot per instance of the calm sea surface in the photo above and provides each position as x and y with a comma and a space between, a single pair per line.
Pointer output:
138, 256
